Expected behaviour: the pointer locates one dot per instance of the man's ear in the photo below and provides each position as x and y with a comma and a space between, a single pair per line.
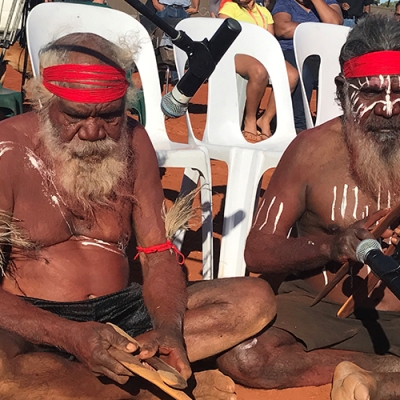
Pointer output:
339, 81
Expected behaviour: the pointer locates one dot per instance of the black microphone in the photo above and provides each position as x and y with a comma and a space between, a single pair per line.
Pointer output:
203, 58
369, 251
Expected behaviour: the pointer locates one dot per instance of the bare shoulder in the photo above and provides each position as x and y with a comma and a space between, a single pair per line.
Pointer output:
141, 142
316, 145
21, 129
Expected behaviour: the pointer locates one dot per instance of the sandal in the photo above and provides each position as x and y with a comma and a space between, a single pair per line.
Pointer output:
254, 137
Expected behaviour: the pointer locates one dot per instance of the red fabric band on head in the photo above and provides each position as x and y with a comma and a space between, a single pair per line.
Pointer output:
372, 64
112, 82
168, 245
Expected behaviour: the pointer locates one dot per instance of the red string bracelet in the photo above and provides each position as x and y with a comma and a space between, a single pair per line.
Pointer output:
168, 245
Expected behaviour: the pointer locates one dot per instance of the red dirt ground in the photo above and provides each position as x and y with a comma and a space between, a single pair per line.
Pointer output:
171, 179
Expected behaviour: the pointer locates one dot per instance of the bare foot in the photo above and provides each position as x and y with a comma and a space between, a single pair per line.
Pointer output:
351, 382
213, 385
264, 124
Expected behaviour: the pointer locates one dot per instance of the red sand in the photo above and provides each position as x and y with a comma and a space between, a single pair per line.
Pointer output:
176, 129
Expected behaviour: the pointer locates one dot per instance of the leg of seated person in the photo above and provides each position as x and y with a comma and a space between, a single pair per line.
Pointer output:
276, 360
297, 99
217, 319
264, 122
257, 76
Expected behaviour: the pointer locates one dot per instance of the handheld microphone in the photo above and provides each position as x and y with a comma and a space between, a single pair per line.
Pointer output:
203, 58
369, 251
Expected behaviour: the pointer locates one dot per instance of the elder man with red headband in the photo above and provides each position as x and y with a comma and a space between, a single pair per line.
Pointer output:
331, 186
80, 187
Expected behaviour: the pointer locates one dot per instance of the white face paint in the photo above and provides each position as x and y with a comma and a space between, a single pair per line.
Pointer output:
381, 82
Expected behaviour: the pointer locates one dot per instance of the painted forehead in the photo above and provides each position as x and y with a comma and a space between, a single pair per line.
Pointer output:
379, 81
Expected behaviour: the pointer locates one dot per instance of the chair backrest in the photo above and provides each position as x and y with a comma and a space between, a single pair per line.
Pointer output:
49, 21
326, 41
223, 108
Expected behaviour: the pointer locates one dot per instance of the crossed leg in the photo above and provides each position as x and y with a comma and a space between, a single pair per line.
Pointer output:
216, 319
275, 360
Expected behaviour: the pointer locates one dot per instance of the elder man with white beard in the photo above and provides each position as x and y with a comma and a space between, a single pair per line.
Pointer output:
80, 185
333, 183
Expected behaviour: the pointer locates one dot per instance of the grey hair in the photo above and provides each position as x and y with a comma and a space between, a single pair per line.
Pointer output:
373, 33
58, 52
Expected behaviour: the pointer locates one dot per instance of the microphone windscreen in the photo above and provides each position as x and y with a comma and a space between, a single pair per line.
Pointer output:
364, 247
171, 107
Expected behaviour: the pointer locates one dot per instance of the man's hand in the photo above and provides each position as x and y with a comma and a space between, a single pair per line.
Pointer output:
158, 6
343, 247
192, 10
345, 6
169, 346
89, 343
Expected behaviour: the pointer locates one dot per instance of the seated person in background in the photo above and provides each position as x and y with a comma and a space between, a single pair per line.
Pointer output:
251, 69
81, 186
333, 183
397, 11
287, 15
353, 10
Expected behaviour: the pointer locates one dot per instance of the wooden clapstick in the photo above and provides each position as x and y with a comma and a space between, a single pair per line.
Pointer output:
377, 231
134, 365
168, 374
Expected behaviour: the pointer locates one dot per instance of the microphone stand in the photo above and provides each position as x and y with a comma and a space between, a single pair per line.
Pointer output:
202, 56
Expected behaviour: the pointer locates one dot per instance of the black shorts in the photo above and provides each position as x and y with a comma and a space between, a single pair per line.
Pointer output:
125, 309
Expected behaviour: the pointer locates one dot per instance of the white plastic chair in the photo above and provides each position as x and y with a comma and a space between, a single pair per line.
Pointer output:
49, 21
223, 138
325, 40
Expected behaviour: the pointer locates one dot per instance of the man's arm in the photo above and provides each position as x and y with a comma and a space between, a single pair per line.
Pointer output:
194, 8
157, 5
284, 26
330, 14
164, 288
269, 248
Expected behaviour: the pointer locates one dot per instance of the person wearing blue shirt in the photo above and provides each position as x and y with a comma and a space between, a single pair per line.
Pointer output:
288, 14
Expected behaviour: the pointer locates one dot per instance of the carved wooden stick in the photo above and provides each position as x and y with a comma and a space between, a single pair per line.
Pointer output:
168, 374
377, 231
363, 290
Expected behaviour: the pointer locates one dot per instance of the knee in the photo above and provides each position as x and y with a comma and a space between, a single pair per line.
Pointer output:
257, 301
258, 74
293, 76
245, 364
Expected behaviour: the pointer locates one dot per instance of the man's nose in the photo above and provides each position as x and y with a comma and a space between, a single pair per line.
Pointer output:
91, 130
389, 107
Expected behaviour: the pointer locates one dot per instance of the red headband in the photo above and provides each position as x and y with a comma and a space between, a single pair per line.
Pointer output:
112, 80
372, 64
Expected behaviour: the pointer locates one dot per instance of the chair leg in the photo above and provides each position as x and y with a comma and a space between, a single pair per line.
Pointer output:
241, 195
167, 72
190, 180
